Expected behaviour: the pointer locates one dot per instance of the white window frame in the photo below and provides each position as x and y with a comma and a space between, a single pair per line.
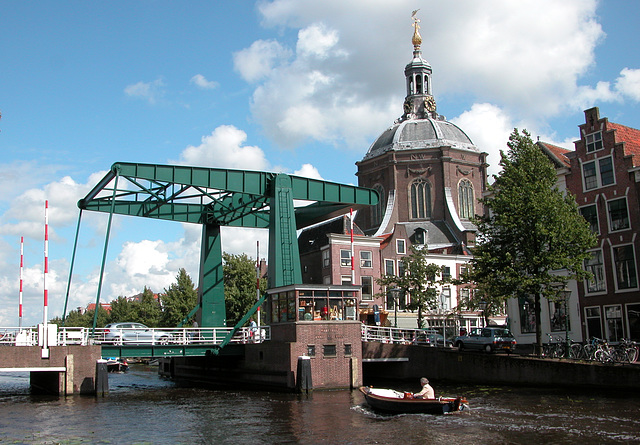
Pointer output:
366, 297
600, 278
633, 264
607, 310
594, 205
393, 267
345, 280
366, 263
345, 261
593, 140
401, 250
611, 227
597, 163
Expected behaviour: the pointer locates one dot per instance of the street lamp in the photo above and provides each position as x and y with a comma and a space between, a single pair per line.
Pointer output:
483, 307
565, 294
395, 293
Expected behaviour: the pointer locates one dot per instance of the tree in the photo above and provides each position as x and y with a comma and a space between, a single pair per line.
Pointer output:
122, 309
78, 319
178, 300
419, 281
147, 309
239, 272
530, 232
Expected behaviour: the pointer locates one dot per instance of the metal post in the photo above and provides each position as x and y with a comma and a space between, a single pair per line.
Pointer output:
566, 327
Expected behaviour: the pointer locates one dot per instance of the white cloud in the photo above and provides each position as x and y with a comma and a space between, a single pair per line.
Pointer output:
489, 128
201, 82
317, 41
628, 84
224, 148
344, 84
257, 61
308, 171
149, 91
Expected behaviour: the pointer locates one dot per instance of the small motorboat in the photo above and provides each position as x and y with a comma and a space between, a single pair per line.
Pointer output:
117, 364
396, 402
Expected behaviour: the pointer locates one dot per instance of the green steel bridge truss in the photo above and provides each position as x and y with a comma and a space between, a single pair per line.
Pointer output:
213, 198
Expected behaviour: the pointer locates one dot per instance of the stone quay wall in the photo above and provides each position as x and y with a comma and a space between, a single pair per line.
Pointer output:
482, 368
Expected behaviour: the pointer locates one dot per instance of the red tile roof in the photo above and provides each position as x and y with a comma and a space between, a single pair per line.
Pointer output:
631, 138
559, 153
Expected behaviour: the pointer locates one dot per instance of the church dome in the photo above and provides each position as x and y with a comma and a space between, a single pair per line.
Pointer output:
423, 133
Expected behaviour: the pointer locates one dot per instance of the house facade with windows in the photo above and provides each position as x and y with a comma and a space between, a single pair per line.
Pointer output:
429, 176
605, 179
603, 173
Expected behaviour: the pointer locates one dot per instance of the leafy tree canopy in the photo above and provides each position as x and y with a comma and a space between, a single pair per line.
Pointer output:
178, 300
239, 272
530, 231
419, 280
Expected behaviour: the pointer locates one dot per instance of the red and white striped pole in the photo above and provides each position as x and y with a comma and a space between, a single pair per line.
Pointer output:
45, 316
258, 281
353, 270
46, 260
21, 267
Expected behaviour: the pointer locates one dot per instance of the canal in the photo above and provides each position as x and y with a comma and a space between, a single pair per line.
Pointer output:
141, 408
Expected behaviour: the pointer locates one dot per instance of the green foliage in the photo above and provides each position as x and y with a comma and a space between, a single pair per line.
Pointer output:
531, 230
147, 309
83, 320
122, 309
419, 281
178, 300
239, 272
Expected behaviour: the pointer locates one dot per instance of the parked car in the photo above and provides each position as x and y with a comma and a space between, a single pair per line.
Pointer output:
439, 341
430, 338
127, 332
491, 338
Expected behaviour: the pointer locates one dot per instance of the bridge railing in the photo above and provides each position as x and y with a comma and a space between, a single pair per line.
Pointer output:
64, 336
178, 336
395, 335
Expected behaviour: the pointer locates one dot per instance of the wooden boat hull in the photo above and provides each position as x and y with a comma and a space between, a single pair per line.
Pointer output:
389, 401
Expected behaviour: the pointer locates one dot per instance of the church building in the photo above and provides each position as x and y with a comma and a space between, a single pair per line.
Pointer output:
429, 176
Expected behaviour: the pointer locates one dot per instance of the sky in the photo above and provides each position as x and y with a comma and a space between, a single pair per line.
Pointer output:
300, 87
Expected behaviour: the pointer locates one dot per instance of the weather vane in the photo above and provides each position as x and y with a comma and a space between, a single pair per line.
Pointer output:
417, 38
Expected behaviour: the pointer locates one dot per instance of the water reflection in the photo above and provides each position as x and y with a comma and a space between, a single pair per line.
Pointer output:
142, 408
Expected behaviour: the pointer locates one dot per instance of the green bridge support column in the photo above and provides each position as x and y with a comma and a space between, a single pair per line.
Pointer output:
211, 284
284, 257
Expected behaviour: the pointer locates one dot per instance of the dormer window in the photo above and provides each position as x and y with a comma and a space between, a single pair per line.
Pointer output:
594, 141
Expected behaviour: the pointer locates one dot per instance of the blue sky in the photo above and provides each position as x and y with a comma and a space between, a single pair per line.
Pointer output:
294, 86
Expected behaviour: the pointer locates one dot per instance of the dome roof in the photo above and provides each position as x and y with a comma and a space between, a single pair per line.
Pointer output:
415, 134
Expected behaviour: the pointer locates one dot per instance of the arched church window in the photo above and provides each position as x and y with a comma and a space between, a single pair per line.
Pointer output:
465, 199
419, 89
377, 211
420, 196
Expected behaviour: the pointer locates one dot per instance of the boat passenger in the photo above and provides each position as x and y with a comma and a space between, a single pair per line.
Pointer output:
426, 392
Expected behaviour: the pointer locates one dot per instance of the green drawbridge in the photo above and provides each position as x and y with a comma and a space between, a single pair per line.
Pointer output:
213, 198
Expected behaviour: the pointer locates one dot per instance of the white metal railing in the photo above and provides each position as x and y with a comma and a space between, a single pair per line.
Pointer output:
401, 336
63, 336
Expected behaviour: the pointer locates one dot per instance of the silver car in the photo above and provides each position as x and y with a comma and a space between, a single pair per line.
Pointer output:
488, 339
128, 332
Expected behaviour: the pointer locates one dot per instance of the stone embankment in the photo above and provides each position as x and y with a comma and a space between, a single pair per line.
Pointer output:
412, 362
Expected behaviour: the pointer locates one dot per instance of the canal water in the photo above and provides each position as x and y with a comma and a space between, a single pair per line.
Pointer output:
141, 408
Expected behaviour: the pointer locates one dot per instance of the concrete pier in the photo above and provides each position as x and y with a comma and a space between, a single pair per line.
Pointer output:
68, 370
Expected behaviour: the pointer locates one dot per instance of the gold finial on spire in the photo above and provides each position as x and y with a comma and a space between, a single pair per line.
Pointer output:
417, 38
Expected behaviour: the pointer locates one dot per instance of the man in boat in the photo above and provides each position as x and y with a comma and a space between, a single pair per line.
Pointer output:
427, 391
